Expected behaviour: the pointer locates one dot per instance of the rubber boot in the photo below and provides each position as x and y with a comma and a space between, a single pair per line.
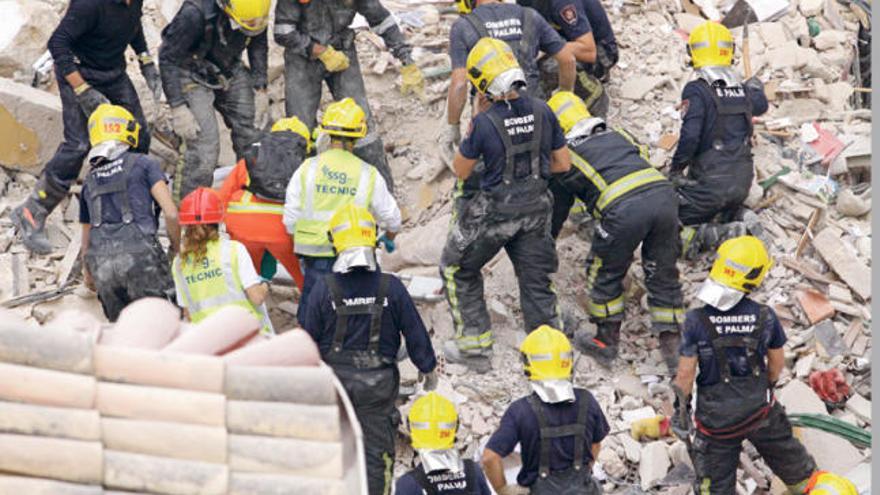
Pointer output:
30, 217
603, 346
476, 362
670, 342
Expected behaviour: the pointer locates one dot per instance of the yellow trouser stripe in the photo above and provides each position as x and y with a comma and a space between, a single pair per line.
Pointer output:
593, 271
667, 315
626, 184
481, 341
606, 309
452, 296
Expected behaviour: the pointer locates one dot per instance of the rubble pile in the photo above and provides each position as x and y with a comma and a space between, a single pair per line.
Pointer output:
811, 192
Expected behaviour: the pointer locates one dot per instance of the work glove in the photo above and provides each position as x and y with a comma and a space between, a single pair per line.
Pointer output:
333, 59
387, 243
652, 428
412, 80
450, 138
513, 490
185, 124
428, 380
681, 422
755, 84
151, 75
89, 98
261, 104
830, 385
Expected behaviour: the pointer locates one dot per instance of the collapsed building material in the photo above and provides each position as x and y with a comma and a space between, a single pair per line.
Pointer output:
53, 348
163, 476
46, 387
57, 458
300, 384
161, 369
852, 271
164, 439
62, 422
160, 404
277, 419
249, 453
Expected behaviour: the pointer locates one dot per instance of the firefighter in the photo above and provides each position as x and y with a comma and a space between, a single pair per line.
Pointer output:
585, 27
202, 73
433, 423
323, 184
715, 144
357, 315
522, 28
520, 143
738, 345
254, 195
88, 48
122, 258
319, 46
212, 271
633, 205
558, 427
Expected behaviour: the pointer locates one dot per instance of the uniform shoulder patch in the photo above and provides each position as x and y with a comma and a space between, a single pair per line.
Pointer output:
683, 107
568, 14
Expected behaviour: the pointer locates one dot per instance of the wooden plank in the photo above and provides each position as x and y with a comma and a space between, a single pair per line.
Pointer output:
160, 404
278, 419
127, 471
61, 422
161, 369
255, 454
808, 232
46, 347
56, 458
46, 387
849, 268
164, 439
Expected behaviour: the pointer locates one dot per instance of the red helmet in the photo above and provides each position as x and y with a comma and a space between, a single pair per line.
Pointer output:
202, 206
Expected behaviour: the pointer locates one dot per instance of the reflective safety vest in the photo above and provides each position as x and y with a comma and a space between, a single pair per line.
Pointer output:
213, 282
251, 219
328, 182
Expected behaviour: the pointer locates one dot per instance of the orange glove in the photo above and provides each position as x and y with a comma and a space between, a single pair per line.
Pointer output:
652, 428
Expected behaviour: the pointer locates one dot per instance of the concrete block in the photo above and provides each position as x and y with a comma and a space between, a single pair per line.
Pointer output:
224, 331
30, 123
149, 323
678, 453
282, 484
62, 422
163, 476
810, 8
635, 88
849, 268
45, 347
160, 404
278, 419
293, 348
687, 22
285, 456
816, 306
20, 485
772, 34
829, 39
163, 439
859, 406
632, 448
654, 464
46, 387
55, 458
300, 384
419, 246
161, 369
25, 26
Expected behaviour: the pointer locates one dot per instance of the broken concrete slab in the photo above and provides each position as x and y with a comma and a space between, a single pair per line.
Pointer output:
856, 275
772, 34
25, 27
654, 464
637, 87
859, 406
815, 305
33, 119
632, 449
828, 340
829, 39
810, 8
850, 205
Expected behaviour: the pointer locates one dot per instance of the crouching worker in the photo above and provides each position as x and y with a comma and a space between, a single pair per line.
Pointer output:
559, 427
123, 261
432, 425
254, 194
737, 343
356, 315
212, 271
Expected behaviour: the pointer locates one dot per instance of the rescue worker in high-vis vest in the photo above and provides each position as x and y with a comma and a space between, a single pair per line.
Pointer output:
738, 345
523, 29
559, 428
212, 271
585, 27
123, 260
357, 315
433, 423
520, 143
633, 205
329, 181
715, 143
254, 194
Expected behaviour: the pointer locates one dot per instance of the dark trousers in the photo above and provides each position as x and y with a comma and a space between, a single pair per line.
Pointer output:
476, 236
715, 461
64, 167
313, 268
650, 218
236, 105
303, 79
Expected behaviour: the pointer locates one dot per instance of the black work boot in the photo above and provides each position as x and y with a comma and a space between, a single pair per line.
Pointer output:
670, 341
603, 345
29, 218
476, 362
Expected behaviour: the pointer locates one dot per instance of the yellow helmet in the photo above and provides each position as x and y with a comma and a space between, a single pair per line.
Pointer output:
344, 118
569, 109
825, 483
741, 264
492, 67
432, 422
546, 354
709, 44
295, 126
113, 123
352, 226
465, 6
251, 15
